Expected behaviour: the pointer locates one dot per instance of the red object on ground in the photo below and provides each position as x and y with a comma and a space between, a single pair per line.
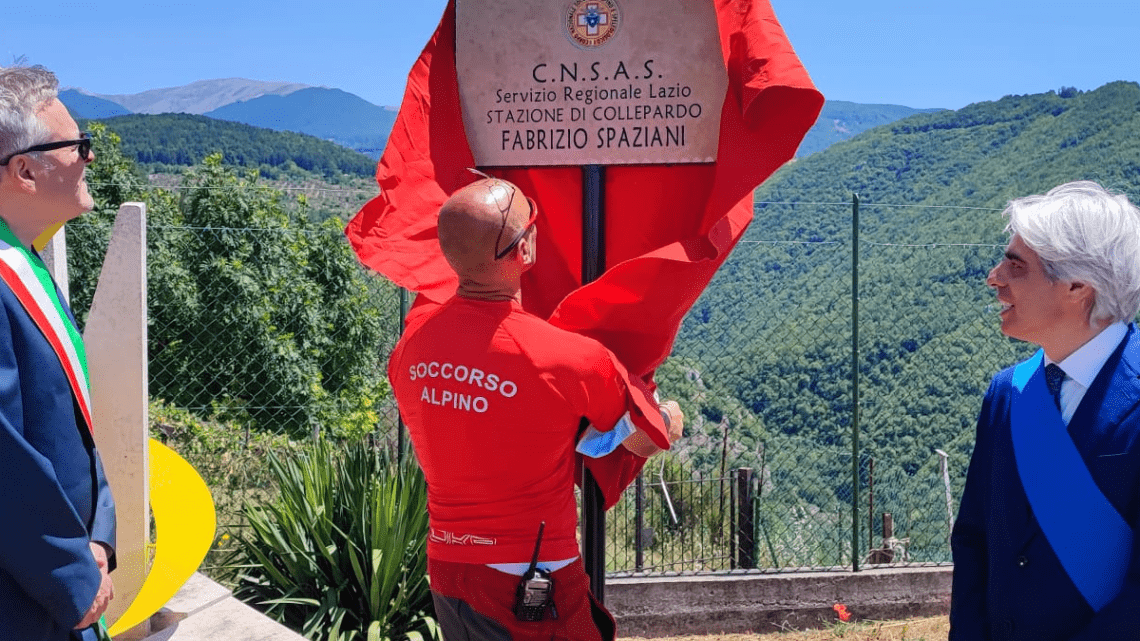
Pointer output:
841, 610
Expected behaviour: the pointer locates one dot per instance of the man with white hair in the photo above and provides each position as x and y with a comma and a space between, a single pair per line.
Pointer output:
1044, 546
58, 538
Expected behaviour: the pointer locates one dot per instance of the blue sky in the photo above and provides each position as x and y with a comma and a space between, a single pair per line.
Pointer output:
918, 53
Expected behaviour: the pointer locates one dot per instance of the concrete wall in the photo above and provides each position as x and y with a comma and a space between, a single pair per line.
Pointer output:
756, 602
116, 339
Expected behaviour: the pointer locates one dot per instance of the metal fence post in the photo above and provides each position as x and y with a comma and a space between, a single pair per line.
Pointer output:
855, 382
945, 463
399, 417
745, 528
871, 503
733, 521
639, 524
593, 526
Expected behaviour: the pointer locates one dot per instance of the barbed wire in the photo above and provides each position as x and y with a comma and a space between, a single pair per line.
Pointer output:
376, 192
238, 187
791, 242
315, 232
311, 232
871, 204
931, 245
905, 205
322, 232
279, 230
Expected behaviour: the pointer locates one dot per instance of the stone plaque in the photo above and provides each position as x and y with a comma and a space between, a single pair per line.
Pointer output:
578, 82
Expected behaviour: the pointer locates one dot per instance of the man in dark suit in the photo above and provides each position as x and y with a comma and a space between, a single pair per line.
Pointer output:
1044, 546
58, 535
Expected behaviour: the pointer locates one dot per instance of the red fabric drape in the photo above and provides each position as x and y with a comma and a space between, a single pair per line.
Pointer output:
668, 227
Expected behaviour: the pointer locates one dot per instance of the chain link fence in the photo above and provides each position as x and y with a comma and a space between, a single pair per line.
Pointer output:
260, 339
271, 340
763, 367
275, 335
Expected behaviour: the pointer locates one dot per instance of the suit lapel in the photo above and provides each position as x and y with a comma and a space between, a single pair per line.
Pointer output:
1114, 394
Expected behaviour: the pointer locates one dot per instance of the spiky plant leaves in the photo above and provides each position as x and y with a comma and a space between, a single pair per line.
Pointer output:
340, 555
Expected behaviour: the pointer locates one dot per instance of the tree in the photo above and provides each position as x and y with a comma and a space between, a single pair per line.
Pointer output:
253, 313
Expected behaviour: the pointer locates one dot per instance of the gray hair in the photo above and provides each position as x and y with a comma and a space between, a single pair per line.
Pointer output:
23, 90
1083, 232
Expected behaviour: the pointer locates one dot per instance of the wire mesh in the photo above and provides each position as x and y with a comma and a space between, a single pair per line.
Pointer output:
275, 333
275, 341
762, 366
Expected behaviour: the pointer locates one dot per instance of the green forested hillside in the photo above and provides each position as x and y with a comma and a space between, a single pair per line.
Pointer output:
841, 120
185, 140
773, 332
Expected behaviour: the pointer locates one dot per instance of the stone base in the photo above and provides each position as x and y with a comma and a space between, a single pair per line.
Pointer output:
205, 611
756, 602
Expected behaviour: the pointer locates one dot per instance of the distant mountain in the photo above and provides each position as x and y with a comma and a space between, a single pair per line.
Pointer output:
841, 120
201, 96
185, 139
352, 122
332, 114
85, 106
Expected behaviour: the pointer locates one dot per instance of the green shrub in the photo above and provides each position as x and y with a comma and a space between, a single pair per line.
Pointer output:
341, 554
233, 462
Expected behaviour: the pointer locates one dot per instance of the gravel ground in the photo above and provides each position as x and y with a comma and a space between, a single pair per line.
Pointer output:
929, 629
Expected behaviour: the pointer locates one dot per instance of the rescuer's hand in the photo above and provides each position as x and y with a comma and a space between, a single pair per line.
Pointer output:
639, 442
674, 419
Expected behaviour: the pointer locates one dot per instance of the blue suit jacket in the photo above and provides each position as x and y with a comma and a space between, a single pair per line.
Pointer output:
1008, 582
54, 497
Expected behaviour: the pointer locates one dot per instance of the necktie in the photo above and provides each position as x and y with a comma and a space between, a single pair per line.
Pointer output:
1054, 376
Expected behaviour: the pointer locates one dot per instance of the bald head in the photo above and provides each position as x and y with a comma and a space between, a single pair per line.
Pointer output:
479, 222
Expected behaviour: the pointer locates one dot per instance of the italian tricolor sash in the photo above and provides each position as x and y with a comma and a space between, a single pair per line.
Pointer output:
29, 279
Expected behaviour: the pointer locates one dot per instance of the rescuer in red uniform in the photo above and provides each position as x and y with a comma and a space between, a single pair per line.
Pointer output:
494, 399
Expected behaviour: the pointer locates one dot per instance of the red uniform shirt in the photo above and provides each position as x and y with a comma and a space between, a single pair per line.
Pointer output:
493, 397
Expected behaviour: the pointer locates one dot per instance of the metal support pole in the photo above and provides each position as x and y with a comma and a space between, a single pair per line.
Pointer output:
949, 495
733, 521
400, 428
593, 265
639, 524
871, 503
745, 523
855, 382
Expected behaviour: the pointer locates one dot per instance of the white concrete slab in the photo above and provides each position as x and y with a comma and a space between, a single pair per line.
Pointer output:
116, 337
206, 611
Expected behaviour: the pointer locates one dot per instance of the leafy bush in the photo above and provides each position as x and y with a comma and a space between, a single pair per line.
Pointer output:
341, 554
255, 313
232, 460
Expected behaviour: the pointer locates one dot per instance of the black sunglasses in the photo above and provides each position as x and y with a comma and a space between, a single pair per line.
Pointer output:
84, 144
499, 255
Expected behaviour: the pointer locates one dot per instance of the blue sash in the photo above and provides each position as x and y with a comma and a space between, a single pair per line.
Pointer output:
1088, 535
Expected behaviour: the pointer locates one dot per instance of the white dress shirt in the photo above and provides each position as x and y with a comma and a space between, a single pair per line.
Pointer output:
1082, 366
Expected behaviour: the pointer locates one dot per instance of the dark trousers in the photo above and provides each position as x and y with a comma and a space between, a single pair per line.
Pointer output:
474, 603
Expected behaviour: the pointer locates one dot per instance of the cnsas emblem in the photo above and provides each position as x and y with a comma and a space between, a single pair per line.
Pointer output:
591, 23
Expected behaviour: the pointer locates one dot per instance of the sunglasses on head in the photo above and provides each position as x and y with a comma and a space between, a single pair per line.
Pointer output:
499, 255
83, 144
